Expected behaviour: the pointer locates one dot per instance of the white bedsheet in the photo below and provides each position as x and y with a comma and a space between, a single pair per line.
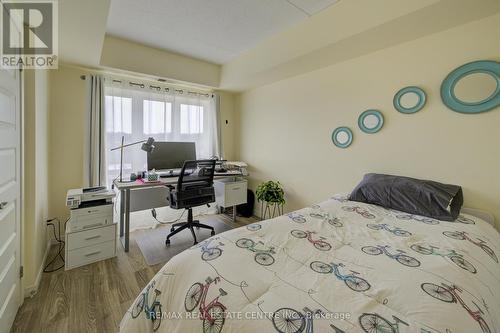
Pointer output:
339, 266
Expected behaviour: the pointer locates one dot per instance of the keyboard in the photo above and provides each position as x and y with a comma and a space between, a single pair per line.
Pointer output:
177, 173
170, 175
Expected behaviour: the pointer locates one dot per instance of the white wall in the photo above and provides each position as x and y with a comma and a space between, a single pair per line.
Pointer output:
285, 128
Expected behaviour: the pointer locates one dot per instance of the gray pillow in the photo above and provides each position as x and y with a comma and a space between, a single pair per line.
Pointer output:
413, 196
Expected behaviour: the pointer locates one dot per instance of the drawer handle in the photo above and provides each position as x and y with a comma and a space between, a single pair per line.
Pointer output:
93, 237
3, 205
91, 225
92, 253
236, 188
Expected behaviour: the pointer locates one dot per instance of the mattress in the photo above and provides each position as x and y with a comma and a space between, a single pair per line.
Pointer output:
338, 266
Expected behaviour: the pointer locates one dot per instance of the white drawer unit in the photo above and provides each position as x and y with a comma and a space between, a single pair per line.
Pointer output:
91, 217
88, 246
76, 240
230, 191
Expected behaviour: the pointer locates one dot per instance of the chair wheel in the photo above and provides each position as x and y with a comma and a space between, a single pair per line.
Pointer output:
212, 233
172, 229
167, 242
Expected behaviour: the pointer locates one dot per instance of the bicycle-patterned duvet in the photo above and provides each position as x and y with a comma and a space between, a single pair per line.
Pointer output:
339, 266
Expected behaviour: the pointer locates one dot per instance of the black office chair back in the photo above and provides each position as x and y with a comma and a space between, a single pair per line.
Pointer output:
194, 188
199, 173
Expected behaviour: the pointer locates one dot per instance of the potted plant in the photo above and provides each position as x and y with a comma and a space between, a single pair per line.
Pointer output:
271, 196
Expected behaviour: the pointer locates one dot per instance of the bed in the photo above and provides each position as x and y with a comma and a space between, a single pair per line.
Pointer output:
338, 266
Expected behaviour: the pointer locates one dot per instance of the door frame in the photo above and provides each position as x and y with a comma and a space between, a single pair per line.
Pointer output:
20, 168
21, 190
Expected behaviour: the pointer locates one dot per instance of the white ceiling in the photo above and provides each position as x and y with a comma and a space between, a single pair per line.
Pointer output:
216, 30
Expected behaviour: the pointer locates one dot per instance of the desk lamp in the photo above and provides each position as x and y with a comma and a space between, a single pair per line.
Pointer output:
147, 146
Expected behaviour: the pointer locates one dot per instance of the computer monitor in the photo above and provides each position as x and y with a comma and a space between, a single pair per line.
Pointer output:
171, 155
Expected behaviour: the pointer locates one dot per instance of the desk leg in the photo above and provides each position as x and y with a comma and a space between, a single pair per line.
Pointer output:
127, 219
122, 210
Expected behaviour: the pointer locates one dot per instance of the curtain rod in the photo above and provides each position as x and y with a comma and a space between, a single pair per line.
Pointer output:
157, 88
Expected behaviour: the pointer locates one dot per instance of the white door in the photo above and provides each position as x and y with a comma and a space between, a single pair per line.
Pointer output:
10, 202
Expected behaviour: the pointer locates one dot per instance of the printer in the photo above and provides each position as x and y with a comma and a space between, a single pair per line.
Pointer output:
90, 208
88, 196
240, 166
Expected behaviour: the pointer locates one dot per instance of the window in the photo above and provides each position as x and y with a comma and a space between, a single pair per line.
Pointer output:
191, 119
118, 114
157, 117
137, 114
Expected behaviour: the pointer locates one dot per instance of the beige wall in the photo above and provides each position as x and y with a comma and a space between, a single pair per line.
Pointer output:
67, 107
120, 54
66, 139
35, 192
342, 32
227, 124
82, 26
285, 127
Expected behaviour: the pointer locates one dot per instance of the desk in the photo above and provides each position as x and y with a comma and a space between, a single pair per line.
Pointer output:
125, 202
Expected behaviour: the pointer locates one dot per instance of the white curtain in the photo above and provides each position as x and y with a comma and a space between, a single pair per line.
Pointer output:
165, 113
95, 149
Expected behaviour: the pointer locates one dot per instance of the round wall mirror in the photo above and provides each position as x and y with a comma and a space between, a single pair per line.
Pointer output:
409, 100
371, 121
342, 137
473, 87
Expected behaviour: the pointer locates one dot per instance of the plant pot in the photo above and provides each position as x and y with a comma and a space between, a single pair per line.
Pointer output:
269, 210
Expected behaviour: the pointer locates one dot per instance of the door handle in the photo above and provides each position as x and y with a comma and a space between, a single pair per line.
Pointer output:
92, 253
3, 205
91, 225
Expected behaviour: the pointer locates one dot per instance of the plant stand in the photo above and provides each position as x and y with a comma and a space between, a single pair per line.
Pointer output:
268, 210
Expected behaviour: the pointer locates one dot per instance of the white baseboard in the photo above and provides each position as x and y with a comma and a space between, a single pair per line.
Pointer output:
29, 291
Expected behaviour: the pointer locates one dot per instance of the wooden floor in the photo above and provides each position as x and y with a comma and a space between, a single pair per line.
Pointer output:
92, 298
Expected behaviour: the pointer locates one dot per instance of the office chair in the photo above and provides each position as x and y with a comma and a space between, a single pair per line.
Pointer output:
194, 188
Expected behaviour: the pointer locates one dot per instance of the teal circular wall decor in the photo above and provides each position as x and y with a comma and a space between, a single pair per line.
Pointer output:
412, 106
371, 121
342, 137
448, 88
